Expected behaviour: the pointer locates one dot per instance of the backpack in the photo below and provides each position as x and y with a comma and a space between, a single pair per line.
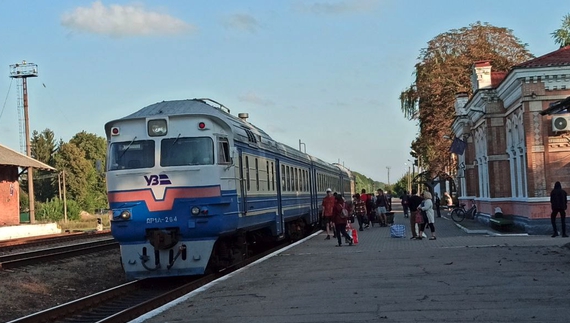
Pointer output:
344, 213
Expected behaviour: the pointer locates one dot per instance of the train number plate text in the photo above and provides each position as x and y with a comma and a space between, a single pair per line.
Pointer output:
165, 219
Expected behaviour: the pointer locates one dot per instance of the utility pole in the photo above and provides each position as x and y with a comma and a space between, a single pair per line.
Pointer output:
388, 168
64, 197
23, 71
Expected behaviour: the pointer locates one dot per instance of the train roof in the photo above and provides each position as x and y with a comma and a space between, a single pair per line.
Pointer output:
242, 130
189, 107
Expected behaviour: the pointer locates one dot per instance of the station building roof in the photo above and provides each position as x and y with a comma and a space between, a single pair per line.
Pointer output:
9, 157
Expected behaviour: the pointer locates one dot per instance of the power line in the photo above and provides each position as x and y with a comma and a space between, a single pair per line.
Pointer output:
6, 100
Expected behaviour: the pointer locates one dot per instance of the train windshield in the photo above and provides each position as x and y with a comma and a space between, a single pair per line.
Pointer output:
131, 154
183, 151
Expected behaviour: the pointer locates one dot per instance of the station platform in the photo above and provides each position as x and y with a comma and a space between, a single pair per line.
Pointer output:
460, 277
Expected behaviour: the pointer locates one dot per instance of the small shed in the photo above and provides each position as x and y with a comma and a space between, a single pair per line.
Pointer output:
10, 162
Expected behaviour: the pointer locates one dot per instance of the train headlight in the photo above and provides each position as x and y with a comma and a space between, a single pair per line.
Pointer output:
125, 215
195, 210
157, 127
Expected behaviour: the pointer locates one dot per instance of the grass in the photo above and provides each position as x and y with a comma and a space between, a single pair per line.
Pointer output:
88, 222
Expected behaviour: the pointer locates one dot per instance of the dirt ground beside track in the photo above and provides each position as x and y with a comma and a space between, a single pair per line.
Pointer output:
30, 289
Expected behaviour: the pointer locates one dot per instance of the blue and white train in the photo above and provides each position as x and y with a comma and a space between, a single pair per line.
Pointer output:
192, 187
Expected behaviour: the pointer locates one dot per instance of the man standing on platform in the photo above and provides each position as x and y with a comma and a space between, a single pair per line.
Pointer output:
381, 207
328, 205
413, 202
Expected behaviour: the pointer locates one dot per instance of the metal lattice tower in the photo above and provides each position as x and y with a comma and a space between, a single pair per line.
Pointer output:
22, 71
21, 125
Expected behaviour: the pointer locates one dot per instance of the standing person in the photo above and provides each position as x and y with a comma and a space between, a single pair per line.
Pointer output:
429, 216
371, 208
389, 199
364, 196
558, 203
413, 202
448, 200
381, 207
359, 210
340, 221
328, 205
404, 200
437, 205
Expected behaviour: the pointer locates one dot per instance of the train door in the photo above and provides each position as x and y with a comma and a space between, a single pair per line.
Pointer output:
314, 197
242, 185
279, 221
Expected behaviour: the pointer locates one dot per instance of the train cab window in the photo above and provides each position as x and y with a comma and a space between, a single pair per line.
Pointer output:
131, 155
223, 151
183, 151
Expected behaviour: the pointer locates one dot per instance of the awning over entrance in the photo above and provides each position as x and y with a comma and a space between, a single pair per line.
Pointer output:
557, 107
13, 158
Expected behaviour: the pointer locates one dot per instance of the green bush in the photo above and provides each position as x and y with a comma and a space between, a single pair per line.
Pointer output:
52, 210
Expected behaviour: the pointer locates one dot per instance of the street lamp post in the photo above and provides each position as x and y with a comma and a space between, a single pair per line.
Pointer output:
413, 173
408, 187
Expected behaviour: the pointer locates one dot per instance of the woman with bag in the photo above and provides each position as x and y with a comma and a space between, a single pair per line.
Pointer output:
340, 218
427, 216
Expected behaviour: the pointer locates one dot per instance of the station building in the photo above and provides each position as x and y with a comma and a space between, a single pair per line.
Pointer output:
10, 164
517, 147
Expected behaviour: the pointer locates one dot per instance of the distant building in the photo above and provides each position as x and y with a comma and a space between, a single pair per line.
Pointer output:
514, 154
10, 162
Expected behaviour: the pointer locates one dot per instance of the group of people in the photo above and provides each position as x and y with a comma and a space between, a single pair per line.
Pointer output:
367, 208
335, 218
420, 210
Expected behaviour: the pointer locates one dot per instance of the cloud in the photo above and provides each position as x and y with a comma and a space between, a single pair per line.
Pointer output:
241, 22
337, 8
255, 99
123, 21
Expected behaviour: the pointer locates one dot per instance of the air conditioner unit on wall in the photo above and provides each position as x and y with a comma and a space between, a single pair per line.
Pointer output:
561, 123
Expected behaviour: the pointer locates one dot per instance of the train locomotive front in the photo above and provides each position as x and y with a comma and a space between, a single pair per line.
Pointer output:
171, 186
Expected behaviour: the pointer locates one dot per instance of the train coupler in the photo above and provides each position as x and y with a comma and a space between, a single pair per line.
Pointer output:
181, 250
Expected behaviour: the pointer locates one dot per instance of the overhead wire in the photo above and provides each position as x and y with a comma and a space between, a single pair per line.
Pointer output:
6, 100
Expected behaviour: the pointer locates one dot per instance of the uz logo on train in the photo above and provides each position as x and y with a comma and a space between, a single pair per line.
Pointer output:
161, 179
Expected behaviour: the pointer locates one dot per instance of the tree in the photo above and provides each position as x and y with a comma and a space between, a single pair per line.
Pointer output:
562, 35
43, 146
363, 182
95, 149
80, 174
444, 70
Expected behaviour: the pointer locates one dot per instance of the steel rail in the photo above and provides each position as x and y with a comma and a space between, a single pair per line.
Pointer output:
44, 255
131, 300
19, 243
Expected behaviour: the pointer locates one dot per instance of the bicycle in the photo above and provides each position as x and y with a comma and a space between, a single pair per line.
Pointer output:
460, 213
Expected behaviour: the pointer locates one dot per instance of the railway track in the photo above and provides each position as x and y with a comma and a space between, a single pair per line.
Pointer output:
129, 301
30, 242
56, 253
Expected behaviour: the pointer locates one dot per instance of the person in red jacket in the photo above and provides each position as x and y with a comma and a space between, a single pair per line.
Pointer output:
328, 205
340, 221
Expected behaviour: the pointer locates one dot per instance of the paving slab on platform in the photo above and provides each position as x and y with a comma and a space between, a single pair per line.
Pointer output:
459, 277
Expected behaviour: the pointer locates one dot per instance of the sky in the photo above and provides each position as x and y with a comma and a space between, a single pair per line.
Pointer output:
328, 73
